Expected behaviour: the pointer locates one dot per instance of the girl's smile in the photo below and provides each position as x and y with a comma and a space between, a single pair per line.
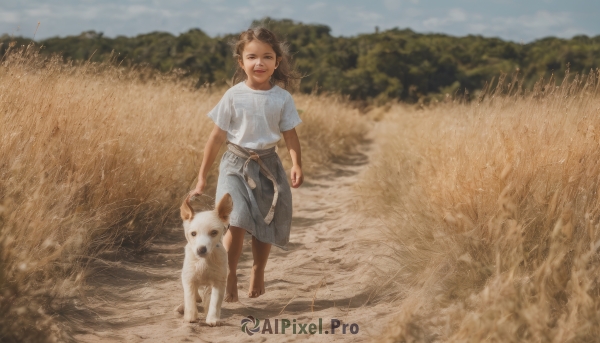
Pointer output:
259, 62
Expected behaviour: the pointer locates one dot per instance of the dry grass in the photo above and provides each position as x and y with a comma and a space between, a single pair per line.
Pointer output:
96, 157
493, 217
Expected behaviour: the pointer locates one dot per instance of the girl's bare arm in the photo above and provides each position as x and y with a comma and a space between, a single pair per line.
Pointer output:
211, 149
293, 144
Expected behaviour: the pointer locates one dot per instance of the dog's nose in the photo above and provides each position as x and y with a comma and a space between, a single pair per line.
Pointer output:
201, 250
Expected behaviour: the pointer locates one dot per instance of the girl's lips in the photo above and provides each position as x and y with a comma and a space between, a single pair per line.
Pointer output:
260, 71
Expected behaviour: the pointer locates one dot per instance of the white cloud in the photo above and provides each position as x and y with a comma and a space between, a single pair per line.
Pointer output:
359, 14
39, 11
455, 15
543, 20
89, 13
136, 10
412, 12
392, 4
477, 27
527, 27
317, 6
520, 28
9, 17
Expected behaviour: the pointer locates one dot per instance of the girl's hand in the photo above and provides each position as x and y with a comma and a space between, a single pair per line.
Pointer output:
297, 177
211, 149
199, 188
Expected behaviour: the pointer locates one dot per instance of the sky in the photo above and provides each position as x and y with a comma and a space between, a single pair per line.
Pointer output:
516, 20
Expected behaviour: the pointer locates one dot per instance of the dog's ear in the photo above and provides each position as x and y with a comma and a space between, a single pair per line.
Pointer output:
186, 210
224, 208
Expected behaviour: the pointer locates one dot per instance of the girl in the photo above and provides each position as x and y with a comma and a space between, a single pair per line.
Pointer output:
251, 116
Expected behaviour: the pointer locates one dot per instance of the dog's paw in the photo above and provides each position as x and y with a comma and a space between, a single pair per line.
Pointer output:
213, 321
179, 309
190, 319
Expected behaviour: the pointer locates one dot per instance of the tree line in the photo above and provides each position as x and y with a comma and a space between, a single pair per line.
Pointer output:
392, 64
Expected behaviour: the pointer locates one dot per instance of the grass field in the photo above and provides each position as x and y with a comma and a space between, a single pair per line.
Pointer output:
94, 158
493, 216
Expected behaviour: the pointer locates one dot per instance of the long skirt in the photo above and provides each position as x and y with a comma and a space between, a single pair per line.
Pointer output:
250, 206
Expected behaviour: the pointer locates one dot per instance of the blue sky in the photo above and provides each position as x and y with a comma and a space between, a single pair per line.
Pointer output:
517, 20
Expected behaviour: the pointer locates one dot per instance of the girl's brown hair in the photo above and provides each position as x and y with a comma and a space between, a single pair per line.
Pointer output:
285, 75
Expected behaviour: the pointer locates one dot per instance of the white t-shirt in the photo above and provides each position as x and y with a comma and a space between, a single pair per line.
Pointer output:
254, 119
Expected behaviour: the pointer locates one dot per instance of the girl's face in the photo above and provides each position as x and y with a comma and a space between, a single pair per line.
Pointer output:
259, 61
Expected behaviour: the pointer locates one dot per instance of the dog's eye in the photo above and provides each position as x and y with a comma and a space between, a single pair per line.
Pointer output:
214, 233
194, 233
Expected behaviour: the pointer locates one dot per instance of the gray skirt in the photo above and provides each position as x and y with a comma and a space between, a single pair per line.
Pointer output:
250, 206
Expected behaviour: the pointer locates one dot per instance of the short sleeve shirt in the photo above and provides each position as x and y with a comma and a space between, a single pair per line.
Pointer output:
254, 119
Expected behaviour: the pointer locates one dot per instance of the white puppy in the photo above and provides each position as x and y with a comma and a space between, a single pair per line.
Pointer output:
205, 262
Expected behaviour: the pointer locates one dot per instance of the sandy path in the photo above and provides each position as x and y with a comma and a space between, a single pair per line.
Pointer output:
323, 275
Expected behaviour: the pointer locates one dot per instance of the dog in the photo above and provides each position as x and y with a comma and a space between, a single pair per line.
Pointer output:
205, 262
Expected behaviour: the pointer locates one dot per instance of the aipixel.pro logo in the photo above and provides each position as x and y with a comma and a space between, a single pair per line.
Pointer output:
252, 326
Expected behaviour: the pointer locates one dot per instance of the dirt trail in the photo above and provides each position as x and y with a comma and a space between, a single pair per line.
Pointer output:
323, 275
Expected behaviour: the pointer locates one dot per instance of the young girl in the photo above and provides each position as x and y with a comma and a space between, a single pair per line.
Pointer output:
251, 116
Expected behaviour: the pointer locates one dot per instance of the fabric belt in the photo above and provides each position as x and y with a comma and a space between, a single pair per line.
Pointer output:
256, 155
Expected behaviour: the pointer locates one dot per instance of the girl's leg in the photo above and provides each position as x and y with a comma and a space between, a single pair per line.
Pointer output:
233, 241
260, 252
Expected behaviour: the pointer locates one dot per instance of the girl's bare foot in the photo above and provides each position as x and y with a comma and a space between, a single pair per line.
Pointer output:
260, 252
257, 283
231, 292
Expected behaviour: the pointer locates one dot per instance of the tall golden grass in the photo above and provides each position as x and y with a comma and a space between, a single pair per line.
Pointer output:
94, 157
492, 212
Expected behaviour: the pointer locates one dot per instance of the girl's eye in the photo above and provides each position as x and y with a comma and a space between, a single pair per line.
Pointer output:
214, 233
193, 233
